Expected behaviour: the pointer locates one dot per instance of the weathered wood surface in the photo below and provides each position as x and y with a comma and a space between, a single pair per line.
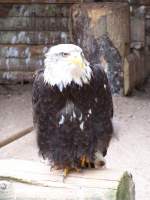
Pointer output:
33, 180
34, 10
27, 29
16, 76
33, 23
28, 64
40, 1
138, 27
23, 51
33, 37
23, 148
104, 18
102, 30
15, 136
141, 2
135, 71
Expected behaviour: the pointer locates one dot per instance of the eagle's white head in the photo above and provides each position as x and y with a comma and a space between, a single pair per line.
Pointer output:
65, 63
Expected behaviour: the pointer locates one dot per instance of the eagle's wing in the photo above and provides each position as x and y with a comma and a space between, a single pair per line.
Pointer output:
103, 80
36, 89
105, 109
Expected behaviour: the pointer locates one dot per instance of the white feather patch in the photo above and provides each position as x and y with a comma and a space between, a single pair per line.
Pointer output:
98, 159
82, 126
62, 120
60, 71
80, 118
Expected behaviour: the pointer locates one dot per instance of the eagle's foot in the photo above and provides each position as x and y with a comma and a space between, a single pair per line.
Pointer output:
66, 171
89, 164
85, 162
99, 160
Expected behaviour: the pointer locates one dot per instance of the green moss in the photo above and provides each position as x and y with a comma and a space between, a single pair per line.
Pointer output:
126, 189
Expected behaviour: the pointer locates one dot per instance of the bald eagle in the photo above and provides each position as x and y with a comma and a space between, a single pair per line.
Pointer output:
73, 109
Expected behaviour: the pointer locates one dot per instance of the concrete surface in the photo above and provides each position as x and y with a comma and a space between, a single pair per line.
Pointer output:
129, 149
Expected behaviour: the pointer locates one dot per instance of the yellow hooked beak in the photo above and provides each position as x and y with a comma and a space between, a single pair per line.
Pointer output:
77, 61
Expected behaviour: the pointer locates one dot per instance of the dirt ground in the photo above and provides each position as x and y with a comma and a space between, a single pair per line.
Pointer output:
129, 149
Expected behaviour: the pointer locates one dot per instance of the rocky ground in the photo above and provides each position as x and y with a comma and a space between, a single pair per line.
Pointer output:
129, 149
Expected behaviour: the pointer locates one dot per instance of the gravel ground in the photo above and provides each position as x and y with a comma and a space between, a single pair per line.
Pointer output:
129, 149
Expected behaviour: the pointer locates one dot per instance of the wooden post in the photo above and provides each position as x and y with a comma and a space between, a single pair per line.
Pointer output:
26, 180
103, 32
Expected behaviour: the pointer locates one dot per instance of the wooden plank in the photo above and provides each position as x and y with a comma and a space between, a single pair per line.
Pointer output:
28, 64
23, 148
142, 2
23, 51
16, 136
16, 76
30, 176
40, 1
34, 23
33, 37
34, 10
15, 100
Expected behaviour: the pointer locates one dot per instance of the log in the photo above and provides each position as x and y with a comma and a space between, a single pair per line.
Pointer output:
102, 30
21, 180
142, 2
15, 136
34, 37
16, 77
40, 1
29, 64
23, 51
34, 10
34, 23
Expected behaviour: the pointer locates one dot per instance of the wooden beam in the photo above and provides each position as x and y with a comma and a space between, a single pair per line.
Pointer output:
34, 23
33, 37
41, 1
23, 51
33, 180
15, 77
34, 10
21, 65
16, 136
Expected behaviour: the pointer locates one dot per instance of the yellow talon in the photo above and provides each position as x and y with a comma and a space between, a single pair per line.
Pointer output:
66, 171
88, 162
83, 161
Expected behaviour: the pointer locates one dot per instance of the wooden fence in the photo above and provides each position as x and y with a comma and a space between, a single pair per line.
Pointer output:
27, 29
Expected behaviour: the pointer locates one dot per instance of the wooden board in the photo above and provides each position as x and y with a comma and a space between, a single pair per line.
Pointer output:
33, 23
40, 1
23, 51
16, 76
29, 178
34, 10
24, 147
28, 64
33, 37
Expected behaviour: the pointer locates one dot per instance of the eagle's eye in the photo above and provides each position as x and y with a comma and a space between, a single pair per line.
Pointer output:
64, 54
